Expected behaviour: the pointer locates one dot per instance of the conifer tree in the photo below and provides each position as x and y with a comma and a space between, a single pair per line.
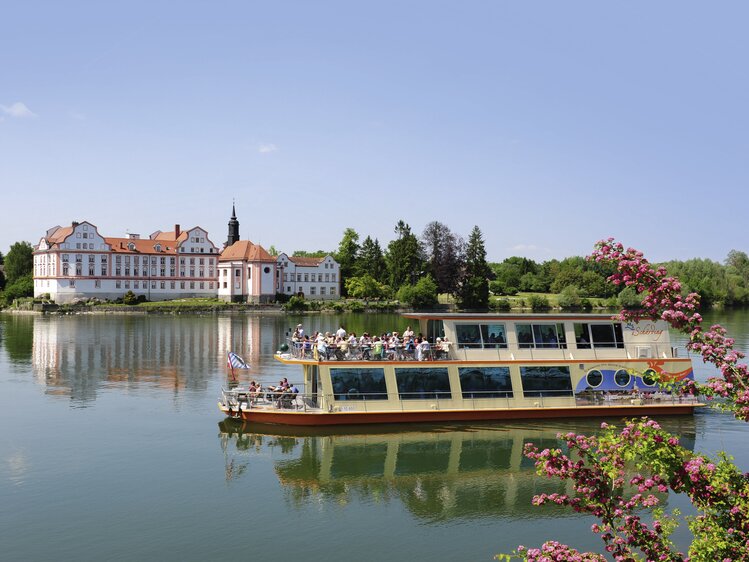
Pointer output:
474, 285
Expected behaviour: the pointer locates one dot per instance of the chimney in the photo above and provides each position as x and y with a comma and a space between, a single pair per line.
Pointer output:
75, 223
177, 231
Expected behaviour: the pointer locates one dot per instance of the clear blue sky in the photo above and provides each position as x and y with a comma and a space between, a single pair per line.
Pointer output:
548, 124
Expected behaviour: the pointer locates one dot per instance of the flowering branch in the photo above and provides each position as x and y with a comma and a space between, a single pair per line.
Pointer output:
600, 467
663, 299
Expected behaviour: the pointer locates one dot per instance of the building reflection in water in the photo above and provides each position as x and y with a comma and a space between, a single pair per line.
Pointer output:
438, 472
76, 355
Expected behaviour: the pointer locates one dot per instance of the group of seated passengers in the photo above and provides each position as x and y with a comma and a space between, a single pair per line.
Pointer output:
256, 391
390, 344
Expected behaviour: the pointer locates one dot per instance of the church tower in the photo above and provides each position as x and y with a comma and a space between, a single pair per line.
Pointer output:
233, 228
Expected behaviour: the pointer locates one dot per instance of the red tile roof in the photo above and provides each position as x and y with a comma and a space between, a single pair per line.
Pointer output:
246, 251
304, 261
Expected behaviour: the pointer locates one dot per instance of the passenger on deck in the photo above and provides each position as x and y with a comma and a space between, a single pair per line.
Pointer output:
423, 350
341, 332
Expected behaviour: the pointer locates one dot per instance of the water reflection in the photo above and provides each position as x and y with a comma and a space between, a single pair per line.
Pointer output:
437, 472
75, 356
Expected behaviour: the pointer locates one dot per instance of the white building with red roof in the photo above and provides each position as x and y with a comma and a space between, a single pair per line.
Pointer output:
77, 263
313, 278
246, 273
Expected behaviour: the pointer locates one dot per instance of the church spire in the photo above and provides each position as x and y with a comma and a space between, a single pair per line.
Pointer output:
233, 227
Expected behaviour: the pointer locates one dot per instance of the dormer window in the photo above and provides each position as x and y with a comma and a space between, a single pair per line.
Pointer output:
157, 247
131, 246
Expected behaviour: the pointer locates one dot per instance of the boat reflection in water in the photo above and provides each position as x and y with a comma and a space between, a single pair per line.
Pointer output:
439, 472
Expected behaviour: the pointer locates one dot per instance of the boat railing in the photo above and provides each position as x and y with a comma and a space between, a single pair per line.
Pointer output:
237, 400
499, 352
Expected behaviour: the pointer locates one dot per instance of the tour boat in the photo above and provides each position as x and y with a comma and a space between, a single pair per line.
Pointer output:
482, 367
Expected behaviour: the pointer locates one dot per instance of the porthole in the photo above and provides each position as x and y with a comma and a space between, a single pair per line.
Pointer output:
594, 378
622, 378
267, 270
649, 377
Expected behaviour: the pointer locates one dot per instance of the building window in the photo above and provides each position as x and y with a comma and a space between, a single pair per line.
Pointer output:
225, 285
202, 284
322, 291
72, 283
327, 277
163, 285
312, 290
266, 270
136, 285
181, 284
172, 284
192, 284
117, 284
236, 273
97, 284
210, 285
127, 284
332, 290
332, 277
249, 272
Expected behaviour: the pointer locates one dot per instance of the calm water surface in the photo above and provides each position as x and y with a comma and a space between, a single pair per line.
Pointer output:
112, 448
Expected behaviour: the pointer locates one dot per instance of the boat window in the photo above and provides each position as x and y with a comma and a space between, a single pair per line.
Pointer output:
493, 335
468, 335
546, 381
649, 377
599, 335
622, 377
594, 378
481, 336
485, 382
358, 384
541, 336
427, 383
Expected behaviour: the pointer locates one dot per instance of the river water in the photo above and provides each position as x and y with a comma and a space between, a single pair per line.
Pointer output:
112, 448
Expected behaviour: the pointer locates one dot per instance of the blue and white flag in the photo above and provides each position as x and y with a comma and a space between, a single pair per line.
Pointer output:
236, 362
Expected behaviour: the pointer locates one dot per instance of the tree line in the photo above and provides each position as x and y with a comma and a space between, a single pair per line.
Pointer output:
415, 269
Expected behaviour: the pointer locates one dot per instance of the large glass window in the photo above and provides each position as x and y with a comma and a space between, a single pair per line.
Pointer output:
599, 335
541, 336
359, 384
481, 335
426, 383
468, 335
485, 382
546, 381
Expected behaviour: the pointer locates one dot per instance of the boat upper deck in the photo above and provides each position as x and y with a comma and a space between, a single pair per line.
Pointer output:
500, 337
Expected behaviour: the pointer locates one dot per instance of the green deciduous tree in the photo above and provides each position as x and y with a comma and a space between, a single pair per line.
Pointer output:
21, 287
347, 254
366, 287
305, 254
444, 252
421, 295
19, 261
474, 284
